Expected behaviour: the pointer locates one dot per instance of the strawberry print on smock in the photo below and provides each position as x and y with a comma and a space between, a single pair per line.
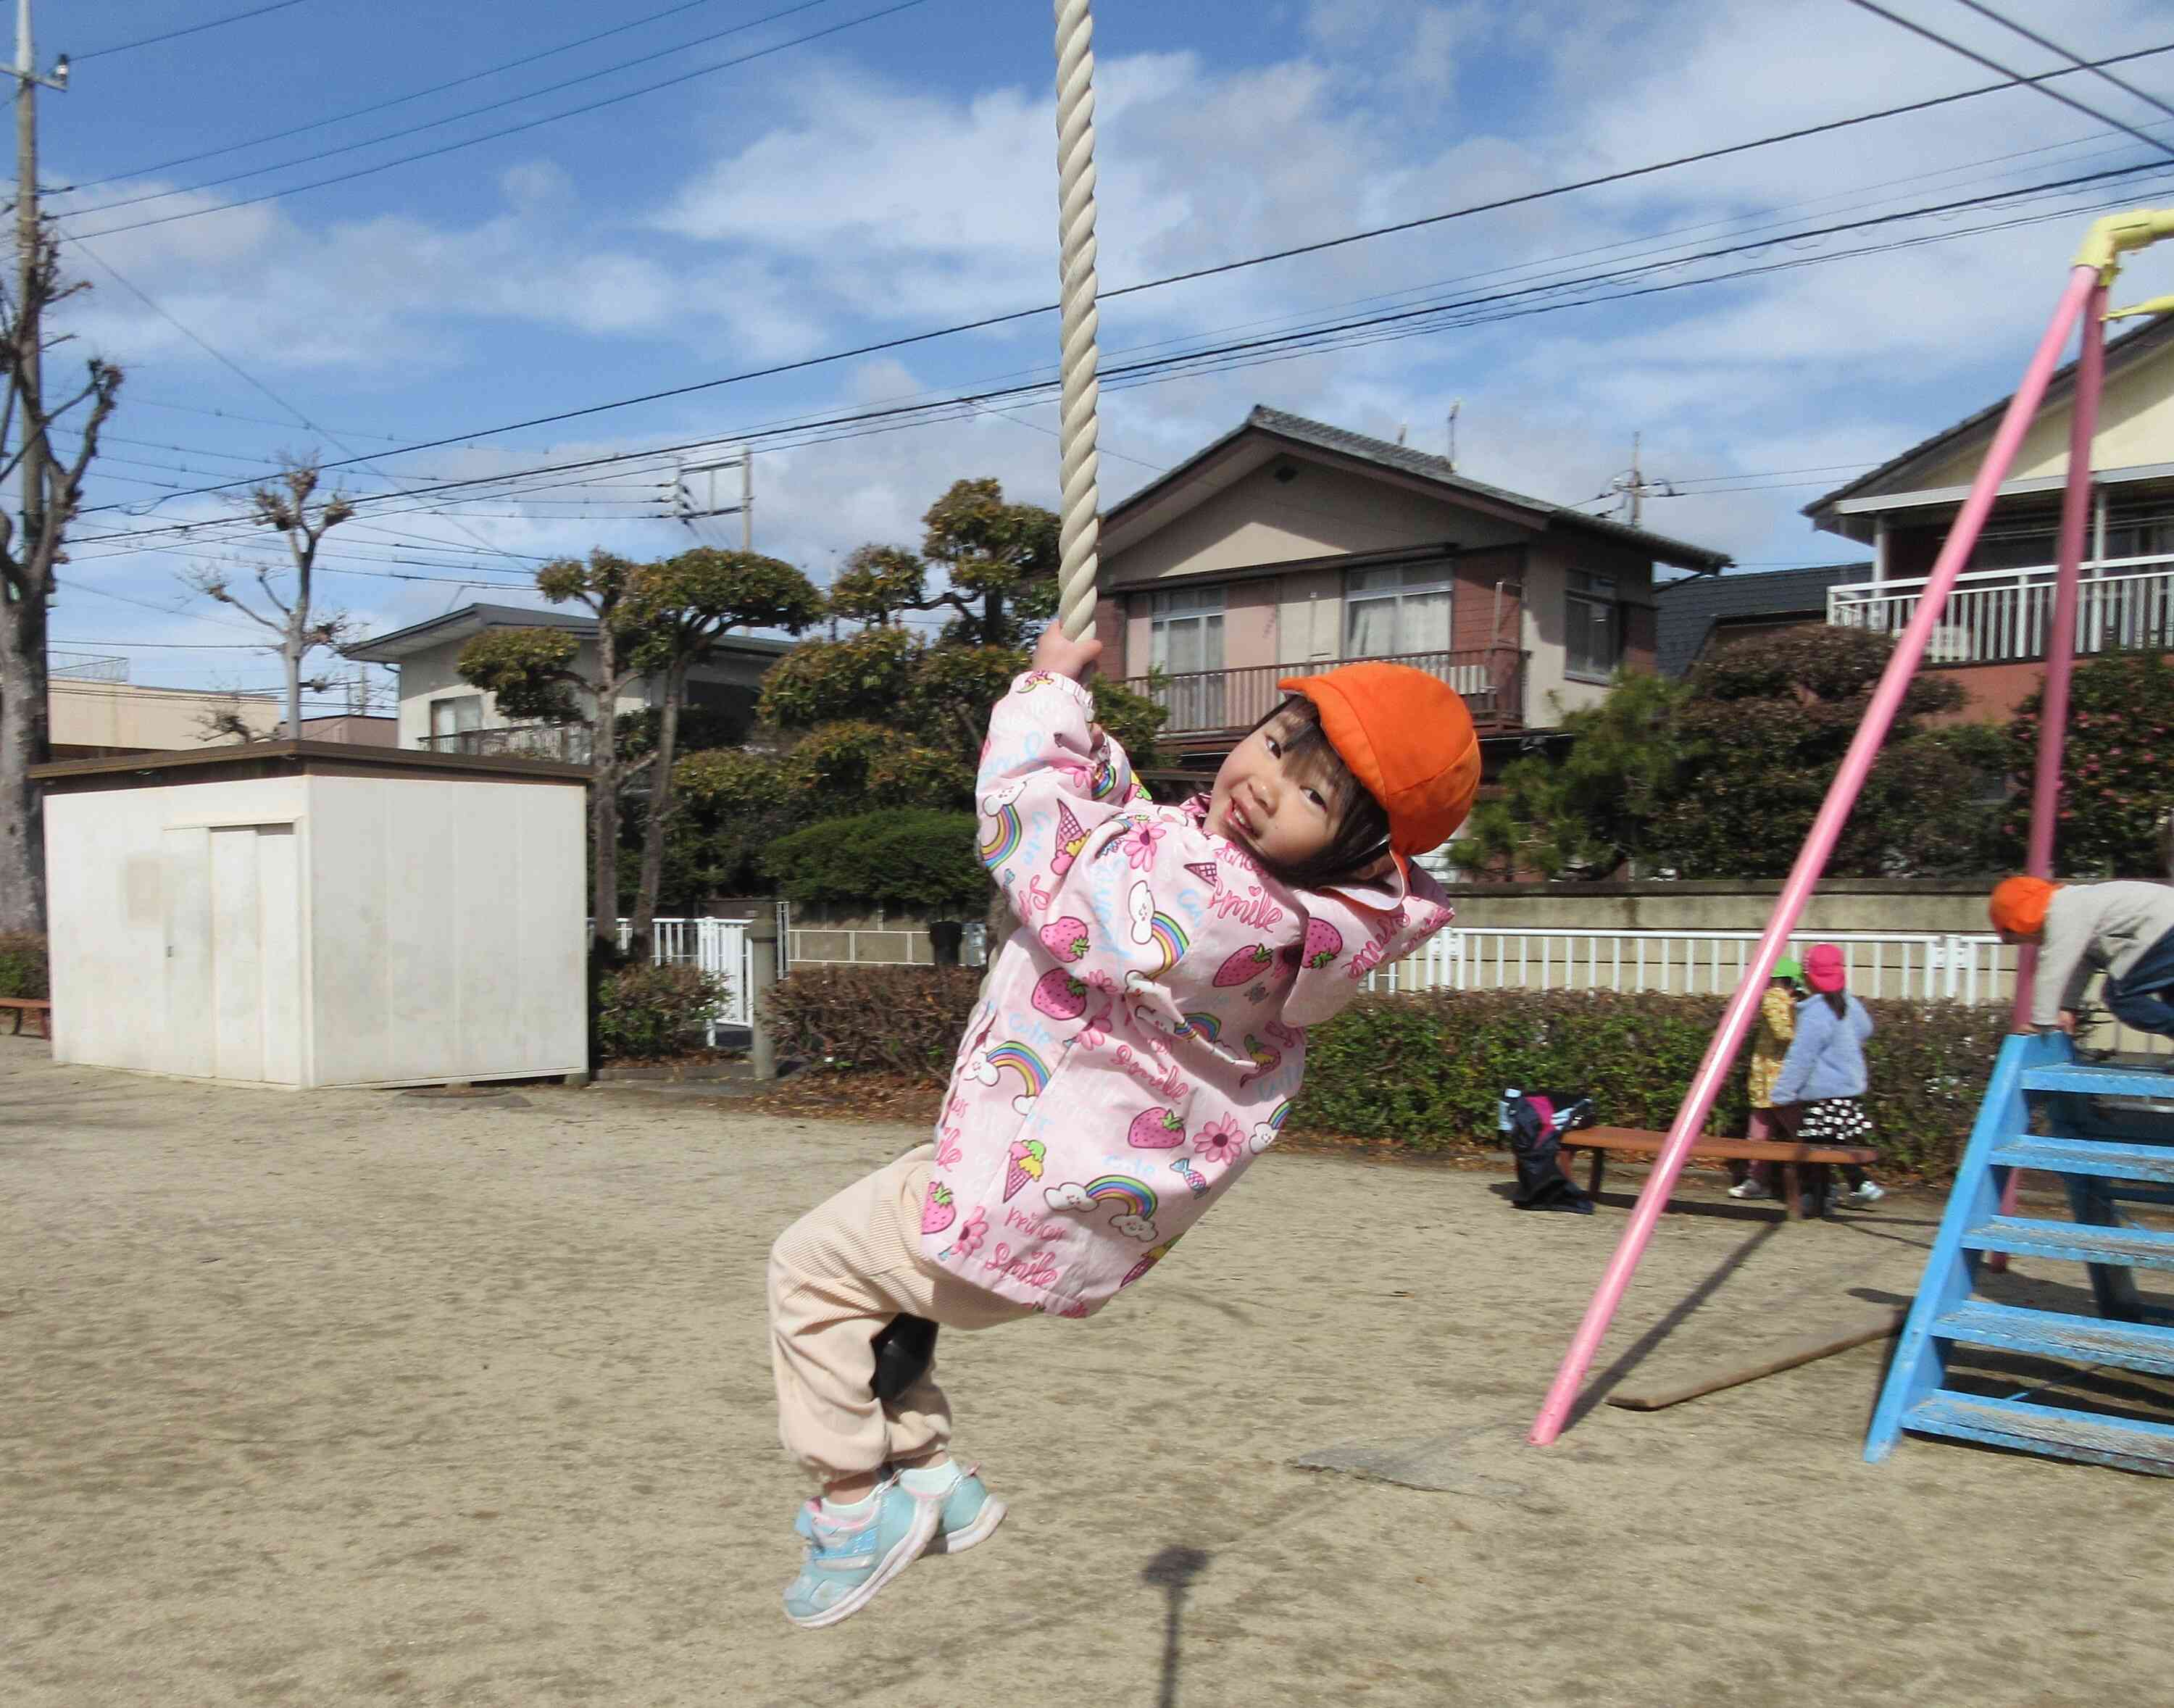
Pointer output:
1144, 1030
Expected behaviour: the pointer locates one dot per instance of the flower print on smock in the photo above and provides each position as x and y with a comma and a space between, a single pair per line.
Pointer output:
1144, 1030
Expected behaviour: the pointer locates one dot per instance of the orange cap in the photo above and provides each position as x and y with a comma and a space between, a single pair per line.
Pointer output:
2018, 904
1408, 737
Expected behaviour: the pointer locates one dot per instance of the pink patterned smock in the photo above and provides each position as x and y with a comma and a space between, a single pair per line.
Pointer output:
1144, 1031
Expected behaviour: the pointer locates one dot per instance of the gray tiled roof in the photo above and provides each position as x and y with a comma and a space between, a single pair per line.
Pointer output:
1689, 608
1436, 470
1439, 469
473, 619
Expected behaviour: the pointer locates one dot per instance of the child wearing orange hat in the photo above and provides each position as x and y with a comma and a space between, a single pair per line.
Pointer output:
1139, 1040
2124, 929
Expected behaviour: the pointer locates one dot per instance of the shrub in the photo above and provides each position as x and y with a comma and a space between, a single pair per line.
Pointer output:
900, 1019
1454, 1052
647, 1012
907, 857
23, 971
2115, 785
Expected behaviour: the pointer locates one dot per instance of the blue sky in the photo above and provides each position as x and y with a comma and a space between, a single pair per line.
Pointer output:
897, 175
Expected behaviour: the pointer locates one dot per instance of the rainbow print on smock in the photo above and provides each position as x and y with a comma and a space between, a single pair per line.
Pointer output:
1137, 1197
1025, 1063
1169, 938
1005, 843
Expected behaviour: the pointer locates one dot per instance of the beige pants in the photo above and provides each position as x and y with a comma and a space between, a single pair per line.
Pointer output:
836, 1276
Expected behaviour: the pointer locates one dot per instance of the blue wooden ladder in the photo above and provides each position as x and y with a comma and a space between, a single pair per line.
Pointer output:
2111, 1138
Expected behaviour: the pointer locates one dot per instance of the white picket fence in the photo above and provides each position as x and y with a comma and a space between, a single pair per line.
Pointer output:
1957, 966
1968, 967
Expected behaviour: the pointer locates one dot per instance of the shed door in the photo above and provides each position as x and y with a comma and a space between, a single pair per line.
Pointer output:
250, 983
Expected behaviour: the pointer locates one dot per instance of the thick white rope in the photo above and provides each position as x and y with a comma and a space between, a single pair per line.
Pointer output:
1079, 522
1079, 531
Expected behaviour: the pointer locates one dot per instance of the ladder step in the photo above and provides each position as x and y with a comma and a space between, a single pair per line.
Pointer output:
2053, 1334
2068, 1435
2088, 1156
2078, 1242
2101, 1081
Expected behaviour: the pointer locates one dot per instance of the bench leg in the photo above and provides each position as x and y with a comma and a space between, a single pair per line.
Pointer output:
1599, 1168
1792, 1198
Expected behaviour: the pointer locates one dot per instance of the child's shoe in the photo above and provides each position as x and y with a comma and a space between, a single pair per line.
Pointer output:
1751, 1187
849, 1560
1864, 1192
968, 1513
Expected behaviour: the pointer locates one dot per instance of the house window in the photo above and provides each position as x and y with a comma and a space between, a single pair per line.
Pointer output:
1399, 610
1593, 626
1185, 647
454, 717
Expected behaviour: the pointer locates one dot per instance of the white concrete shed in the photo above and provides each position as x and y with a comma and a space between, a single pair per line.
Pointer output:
306, 914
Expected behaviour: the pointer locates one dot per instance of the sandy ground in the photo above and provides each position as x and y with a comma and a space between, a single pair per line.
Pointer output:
362, 1398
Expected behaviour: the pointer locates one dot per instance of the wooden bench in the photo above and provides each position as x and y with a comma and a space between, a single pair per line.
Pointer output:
37, 1006
1638, 1142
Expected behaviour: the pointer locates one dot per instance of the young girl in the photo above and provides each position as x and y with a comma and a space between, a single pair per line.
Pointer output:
1770, 1047
1139, 1040
1819, 1095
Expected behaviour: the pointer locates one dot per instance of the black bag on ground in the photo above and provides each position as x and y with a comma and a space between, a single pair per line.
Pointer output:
1535, 1126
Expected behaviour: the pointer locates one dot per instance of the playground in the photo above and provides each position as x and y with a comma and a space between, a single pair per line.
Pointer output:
359, 1396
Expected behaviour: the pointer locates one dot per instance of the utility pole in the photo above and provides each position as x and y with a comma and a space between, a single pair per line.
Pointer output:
35, 451
688, 506
1635, 489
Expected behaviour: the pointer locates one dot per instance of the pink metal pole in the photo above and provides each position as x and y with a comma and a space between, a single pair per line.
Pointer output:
1811, 861
2061, 641
2060, 663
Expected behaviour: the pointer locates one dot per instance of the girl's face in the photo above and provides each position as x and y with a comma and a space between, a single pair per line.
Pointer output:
1277, 807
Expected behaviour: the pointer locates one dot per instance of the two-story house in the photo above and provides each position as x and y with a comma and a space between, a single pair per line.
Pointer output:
1992, 633
438, 710
1288, 547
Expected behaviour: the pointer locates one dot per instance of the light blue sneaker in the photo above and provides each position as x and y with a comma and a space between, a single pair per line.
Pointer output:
968, 1514
847, 1563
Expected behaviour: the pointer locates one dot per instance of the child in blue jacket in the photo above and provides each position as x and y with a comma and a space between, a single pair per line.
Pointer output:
1819, 1096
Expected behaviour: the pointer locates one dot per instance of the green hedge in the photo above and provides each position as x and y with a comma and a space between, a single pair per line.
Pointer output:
1449, 1055
906, 857
23, 972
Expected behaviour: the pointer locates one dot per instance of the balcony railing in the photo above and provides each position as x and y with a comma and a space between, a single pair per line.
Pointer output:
566, 742
2002, 616
1216, 702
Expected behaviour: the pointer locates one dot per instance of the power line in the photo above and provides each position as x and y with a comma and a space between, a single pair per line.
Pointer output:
164, 645
104, 207
188, 29
1015, 315
512, 130
395, 101
523, 492
1204, 357
2032, 36
1972, 54
254, 420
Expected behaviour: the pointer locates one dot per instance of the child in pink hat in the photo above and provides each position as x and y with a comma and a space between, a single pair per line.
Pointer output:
1820, 1095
